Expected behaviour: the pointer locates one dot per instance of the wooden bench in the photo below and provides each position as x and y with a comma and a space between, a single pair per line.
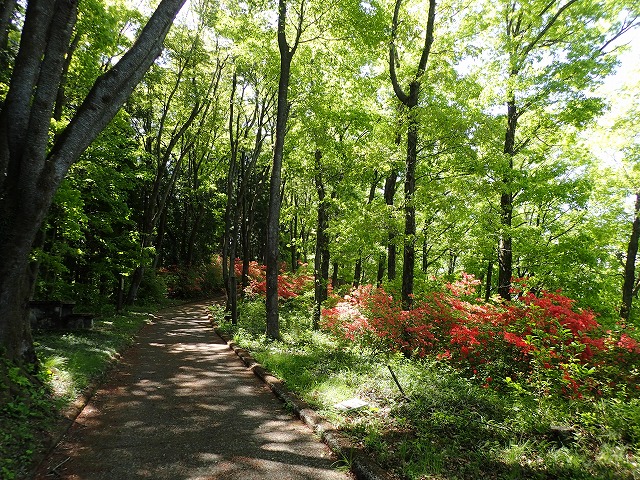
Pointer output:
56, 314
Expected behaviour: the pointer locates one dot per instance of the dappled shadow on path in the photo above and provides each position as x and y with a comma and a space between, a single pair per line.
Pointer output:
183, 406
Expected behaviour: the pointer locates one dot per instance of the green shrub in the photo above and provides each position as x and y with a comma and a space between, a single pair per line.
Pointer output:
153, 288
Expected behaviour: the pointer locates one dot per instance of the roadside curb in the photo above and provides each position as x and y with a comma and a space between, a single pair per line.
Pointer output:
362, 465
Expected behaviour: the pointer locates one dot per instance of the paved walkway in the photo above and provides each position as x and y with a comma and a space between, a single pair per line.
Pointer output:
183, 406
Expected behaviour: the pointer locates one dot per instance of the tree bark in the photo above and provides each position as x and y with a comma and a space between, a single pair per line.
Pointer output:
630, 280
487, 289
275, 194
357, 271
29, 174
410, 101
389, 194
505, 254
7, 9
409, 251
321, 261
294, 238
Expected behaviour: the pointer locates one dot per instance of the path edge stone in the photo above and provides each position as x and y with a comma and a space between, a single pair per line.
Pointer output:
362, 465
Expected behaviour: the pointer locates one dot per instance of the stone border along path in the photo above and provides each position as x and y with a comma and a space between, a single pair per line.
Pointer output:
181, 406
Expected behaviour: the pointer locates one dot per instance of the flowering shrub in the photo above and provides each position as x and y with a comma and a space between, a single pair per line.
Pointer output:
543, 341
290, 285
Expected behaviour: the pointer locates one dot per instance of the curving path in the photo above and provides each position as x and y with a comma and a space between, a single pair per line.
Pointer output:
181, 405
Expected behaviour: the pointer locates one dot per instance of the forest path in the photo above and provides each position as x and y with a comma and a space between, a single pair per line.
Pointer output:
182, 405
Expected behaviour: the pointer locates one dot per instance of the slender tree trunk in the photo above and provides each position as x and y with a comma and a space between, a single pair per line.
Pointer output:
453, 259
425, 256
382, 259
334, 275
321, 261
228, 247
138, 273
246, 257
294, 239
409, 256
505, 253
628, 286
357, 271
7, 9
162, 230
195, 228
487, 289
232, 293
410, 101
389, 194
61, 97
275, 195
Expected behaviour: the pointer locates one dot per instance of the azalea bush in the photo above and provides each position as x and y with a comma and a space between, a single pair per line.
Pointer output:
290, 284
540, 341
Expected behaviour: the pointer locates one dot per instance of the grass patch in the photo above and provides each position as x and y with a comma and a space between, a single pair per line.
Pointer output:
448, 427
70, 361
75, 359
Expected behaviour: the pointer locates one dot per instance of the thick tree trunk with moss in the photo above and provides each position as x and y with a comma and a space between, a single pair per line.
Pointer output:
30, 171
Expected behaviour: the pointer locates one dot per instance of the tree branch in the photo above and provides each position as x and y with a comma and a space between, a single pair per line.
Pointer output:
109, 92
402, 96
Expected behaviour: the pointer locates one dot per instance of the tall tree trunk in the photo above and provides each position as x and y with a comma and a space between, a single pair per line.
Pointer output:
275, 195
425, 255
628, 286
294, 238
380, 273
409, 253
228, 248
7, 9
410, 101
30, 173
487, 289
195, 228
334, 275
321, 261
162, 230
357, 271
232, 293
453, 259
249, 222
505, 253
61, 96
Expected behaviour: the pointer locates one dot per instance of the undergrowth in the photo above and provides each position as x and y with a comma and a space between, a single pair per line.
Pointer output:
447, 426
